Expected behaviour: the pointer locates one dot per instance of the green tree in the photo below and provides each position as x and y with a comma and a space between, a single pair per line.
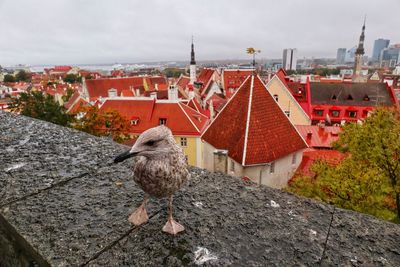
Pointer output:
368, 179
37, 105
22, 76
71, 78
8, 78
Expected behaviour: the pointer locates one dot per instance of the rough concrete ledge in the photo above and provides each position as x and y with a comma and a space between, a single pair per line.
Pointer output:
62, 203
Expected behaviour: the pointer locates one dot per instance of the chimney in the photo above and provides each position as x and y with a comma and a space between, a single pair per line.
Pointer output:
153, 95
172, 93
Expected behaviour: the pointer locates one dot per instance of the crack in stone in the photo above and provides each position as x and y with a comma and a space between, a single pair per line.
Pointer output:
61, 183
116, 241
327, 236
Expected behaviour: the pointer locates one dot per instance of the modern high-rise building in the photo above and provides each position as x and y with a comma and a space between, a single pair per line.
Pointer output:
290, 58
379, 45
390, 56
340, 56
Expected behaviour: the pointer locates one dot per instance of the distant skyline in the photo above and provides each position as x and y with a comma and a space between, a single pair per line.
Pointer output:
59, 32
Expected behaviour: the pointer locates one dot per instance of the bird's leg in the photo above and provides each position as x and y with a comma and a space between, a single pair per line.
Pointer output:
139, 216
172, 227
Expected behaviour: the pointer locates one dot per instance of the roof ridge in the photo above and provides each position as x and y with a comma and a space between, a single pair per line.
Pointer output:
246, 135
227, 103
179, 104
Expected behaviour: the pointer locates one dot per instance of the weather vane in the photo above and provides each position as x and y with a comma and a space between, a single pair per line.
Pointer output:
253, 51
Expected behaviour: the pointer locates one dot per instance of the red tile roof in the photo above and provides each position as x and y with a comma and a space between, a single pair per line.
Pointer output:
194, 104
319, 136
78, 104
233, 79
182, 82
71, 100
252, 127
181, 119
99, 87
127, 92
332, 157
157, 83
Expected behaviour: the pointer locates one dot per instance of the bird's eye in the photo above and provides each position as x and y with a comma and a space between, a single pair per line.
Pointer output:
149, 143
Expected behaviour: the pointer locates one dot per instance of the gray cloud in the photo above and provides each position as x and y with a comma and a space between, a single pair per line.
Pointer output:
100, 31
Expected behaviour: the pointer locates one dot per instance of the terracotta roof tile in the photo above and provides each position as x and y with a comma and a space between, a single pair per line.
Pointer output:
99, 87
270, 133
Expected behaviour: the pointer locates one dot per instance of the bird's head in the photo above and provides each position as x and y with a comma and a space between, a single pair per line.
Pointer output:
152, 143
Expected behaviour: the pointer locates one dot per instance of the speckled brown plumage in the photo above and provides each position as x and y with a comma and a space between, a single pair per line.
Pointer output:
161, 175
160, 169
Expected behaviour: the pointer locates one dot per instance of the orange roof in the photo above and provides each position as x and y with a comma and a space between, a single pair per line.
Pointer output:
233, 79
252, 127
332, 157
71, 100
182, 82
181, 119
318, 136
157, 83
127, 92
80, 103
99, 87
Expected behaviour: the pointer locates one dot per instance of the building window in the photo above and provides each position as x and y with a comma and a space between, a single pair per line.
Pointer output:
232, 166
318, 112
350, 97
135, 122
184, 141
294, 158
366, 98
334, 97
335, 113
276, 97
163, 121
272, 167
287, 112
352, 114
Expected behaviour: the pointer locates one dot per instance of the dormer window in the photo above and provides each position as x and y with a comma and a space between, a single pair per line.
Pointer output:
162, 121
334, 97
276, 97
319, 112
134, 122
112, 92
350, 97
366, 98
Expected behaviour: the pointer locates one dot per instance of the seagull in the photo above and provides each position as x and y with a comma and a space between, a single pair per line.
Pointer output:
160, 170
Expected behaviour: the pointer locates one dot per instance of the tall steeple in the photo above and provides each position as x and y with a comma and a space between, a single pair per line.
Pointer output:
359, 56
192, 68
192, 59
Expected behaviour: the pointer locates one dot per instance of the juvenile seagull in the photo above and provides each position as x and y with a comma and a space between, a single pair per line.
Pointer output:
160, 170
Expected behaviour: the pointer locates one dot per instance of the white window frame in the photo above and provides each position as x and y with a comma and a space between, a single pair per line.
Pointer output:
183, 141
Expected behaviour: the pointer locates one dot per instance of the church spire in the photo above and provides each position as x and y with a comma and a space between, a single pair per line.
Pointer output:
192, 60
358, 60
192, 67
360, 48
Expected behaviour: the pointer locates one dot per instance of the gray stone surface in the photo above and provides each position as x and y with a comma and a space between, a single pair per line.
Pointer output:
68, 206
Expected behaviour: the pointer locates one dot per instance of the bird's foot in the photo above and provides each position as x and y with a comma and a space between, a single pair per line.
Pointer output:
139, 216
172, 227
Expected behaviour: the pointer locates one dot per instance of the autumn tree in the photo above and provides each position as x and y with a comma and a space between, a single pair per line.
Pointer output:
368, 179
102, 123
37, 105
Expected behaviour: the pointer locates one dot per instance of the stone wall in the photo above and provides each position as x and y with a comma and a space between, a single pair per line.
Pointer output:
63, 203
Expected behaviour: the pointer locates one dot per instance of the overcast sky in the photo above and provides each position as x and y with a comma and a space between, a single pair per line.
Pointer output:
110, 31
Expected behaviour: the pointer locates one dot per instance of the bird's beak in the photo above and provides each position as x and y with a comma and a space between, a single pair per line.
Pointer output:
124, 156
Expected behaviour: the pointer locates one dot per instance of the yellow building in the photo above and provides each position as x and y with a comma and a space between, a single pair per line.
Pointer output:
278, 88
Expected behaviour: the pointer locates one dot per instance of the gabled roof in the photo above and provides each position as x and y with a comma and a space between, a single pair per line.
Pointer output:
181, 119
351, 94
194, 104
99, 87
252, 127
233, 78
183, 81
158, 83
319, 136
